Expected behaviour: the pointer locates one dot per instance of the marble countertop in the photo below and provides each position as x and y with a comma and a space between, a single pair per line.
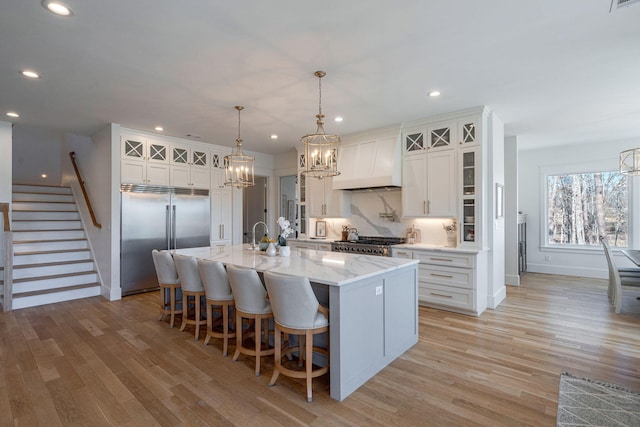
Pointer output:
329, 268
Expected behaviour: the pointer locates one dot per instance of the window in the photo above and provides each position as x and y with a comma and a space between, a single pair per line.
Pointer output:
581, 207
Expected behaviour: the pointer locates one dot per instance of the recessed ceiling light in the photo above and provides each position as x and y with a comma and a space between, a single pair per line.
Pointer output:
274, 136
13, 114
57, 7
434, 93
159, 128
44, 175
338, 119
30, 73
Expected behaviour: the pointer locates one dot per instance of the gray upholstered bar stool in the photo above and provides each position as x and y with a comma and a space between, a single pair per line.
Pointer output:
297, 312
251, 303
169, 282
218, 292
189, 275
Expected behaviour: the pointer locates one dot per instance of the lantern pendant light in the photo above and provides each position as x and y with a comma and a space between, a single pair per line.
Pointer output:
630, 162
320, 149
238, 166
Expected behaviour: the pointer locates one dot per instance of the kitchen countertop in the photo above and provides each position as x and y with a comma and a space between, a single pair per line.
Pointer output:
329, 268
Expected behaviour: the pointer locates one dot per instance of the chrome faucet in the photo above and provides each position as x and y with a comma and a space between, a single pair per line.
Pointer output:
266, 231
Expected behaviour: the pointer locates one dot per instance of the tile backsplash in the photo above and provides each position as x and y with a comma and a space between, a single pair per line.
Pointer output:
378, 213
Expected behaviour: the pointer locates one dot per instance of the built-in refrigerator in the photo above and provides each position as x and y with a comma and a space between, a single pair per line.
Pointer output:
158, 218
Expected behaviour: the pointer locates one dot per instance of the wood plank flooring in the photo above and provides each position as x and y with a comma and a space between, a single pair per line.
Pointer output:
99, 363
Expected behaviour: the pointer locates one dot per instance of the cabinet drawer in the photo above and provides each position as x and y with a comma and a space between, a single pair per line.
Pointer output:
445, 258
447, 276
443, 295
324, 247
401, 253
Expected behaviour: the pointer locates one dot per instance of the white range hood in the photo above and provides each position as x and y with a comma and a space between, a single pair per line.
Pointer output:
370, 160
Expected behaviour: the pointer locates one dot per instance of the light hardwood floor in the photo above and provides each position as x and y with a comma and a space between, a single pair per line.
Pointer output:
94, 362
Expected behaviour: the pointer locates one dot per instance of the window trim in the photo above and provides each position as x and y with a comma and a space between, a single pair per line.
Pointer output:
633, 203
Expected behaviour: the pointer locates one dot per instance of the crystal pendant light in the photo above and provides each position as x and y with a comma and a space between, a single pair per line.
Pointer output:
238, 166
320, 149
630, 162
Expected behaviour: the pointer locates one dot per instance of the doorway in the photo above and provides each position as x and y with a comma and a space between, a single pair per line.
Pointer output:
254, 203
289, 200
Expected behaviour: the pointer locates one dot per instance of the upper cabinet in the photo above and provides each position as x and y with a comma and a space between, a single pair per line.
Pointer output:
428, 188
324, 201
189, 166
144, 160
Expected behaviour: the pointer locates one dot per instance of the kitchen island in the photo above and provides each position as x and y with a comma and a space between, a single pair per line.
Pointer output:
373, 303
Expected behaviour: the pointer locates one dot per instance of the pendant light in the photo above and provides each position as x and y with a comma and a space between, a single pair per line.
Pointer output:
238, 166
630, 162
320, 149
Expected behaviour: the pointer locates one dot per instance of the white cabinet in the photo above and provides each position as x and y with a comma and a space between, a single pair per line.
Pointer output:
189, 167
144, 161
221, 214
324, 201
428, 184
441, 136
449, 279
302, 244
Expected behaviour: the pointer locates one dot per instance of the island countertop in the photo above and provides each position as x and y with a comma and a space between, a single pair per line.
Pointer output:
328, 268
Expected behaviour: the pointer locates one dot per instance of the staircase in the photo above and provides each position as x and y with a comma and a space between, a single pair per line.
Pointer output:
52, 261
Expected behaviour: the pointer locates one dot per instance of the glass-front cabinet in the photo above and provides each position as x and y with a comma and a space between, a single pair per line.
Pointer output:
469, 179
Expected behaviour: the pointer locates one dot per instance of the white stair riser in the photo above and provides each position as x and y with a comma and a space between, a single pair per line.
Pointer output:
45, 216
43, 206
49, 246
20, 236
36, 300
58, 282
20, 188
30, 197
50, 257
46, 225
49, 270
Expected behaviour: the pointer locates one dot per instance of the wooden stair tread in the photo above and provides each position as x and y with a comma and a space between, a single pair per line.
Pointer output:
53, 276
57, 251
26, 184
44, 220
46, 241
43, 192
54, 290
39, 211
42, 201
51, 264
47, 230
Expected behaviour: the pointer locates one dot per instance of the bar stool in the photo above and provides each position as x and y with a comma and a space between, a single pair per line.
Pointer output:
297, 312
189, 275
218, 293
169, 282
251, 303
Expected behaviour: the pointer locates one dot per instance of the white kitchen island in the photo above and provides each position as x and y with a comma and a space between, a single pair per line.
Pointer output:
373, 303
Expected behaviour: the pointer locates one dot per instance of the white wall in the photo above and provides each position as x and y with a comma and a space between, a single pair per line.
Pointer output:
36, 151
511, 275
6, 141
532, 165
496, 290
93, 155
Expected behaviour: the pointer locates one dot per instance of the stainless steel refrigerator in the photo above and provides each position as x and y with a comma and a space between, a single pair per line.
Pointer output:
158, 218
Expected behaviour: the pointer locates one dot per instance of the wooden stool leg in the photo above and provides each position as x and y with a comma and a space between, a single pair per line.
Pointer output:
258, 340
197, 301
276, 361
301, 341
238, 335
309, 364
163, 302
172, 299
225, 328
209, 324
185, 311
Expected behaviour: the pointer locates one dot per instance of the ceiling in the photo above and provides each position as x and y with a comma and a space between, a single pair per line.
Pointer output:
556, 72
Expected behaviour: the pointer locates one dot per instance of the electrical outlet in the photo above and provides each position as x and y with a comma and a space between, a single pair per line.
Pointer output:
378, 290
547, 258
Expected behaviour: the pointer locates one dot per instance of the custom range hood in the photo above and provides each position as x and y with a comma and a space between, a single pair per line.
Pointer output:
370, 160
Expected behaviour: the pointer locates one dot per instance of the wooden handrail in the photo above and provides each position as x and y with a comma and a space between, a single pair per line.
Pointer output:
5, 216
84, 190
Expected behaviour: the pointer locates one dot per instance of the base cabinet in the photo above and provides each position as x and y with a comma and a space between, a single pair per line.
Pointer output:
449, 280
302, 244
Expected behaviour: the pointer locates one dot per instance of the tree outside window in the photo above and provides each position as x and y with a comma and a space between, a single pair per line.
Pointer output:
583, 207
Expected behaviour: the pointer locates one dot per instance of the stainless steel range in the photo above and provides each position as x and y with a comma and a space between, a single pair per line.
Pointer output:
368, 245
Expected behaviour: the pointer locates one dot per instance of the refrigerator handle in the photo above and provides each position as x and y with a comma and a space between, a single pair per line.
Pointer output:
167, 225
173, 226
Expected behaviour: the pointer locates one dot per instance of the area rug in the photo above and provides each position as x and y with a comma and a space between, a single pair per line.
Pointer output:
586, 402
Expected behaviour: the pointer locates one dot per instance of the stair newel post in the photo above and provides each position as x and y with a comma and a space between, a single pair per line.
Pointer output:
7, 262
